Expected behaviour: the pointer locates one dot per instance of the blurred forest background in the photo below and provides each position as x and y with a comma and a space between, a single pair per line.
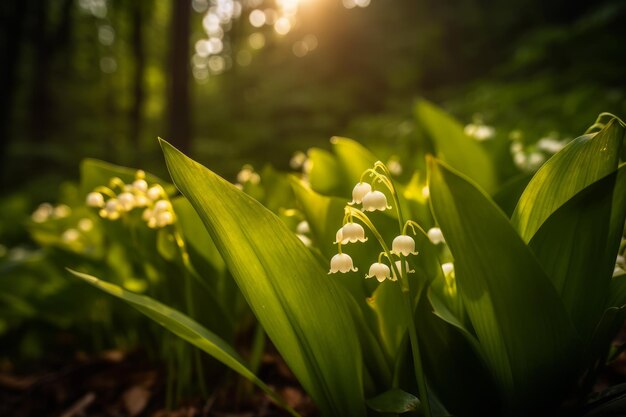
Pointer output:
252, 81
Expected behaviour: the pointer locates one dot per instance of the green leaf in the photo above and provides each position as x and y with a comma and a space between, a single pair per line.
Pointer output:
508, 195
353, 158
325, 174
302, 309
394, 401
582, 162
456, 148
570, 245
185, 328
510, 301
195, 234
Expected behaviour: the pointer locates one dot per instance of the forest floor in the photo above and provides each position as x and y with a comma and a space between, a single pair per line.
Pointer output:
127, 384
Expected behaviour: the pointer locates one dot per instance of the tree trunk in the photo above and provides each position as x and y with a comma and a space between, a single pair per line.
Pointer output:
13, 14
178, 97
137, 15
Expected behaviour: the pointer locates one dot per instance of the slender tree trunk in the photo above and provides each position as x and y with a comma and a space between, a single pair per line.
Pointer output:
40, 95
137, 19
178, 97
12, 21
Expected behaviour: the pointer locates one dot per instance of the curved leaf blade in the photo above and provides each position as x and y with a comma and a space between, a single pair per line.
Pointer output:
303, 311
185, 328
571, 246
582, 162
510, 301
456, 148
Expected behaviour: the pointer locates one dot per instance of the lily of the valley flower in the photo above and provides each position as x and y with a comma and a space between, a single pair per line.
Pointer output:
380, 271
352, 232
375, 200
95, 200
341, 262
303, 227
127, 201
140, 185
111, 209
399, 268
359, 191
447, 268
435, 236
404, 245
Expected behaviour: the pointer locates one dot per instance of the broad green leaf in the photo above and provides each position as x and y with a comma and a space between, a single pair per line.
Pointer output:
353, 158
303, 311
394, 401
570, 247
449, 350
456, 148
185, 328
195, 234
510, 301
508, 195
617, 292
582, 162
325, 174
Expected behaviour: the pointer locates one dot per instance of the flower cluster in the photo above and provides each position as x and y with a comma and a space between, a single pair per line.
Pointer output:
402, 246
47, 211
530, 158
153, 200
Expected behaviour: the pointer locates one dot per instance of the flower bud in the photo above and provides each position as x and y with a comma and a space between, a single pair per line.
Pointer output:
359, 191
140, 185
154, 192
303, 227
70, 236
404, 245
447, 268
435, 236
341, 262
375, 200
127, 201
380, 271
95, 200
111, 209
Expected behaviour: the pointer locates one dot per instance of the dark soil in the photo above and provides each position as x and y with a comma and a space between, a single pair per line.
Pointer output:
127, 384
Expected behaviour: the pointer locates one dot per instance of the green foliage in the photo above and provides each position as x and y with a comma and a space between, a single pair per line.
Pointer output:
506, 316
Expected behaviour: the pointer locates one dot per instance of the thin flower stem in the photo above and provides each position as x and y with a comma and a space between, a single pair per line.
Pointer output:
408, 305
105, 190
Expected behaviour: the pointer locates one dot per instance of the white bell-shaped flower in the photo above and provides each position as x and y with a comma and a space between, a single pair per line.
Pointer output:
435, 235
375, 200
162, 205
380, 271
398, 264
140, 185
303, 227
447, 268
127, 201
164, 218
111, 209
339, 236
70, 236
404, 245
353, 232
154, 192
341, 262
95, 200
359, 191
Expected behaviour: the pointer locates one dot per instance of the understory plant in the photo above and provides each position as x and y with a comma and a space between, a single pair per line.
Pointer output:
446, 292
